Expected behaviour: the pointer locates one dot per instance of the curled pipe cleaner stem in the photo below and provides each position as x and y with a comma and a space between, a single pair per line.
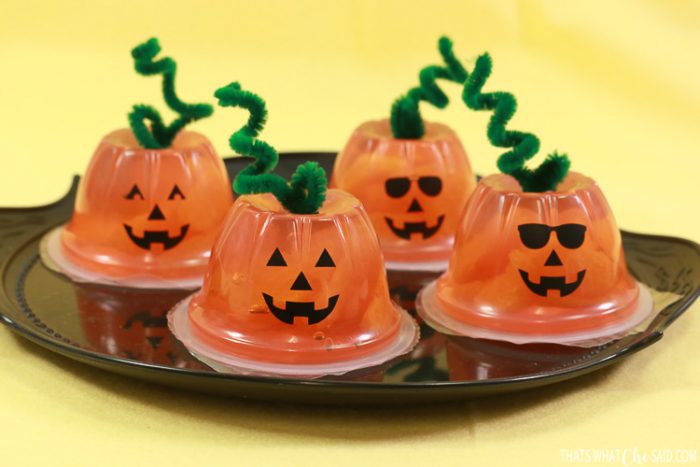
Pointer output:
159, 135
523, 145
406, 121
306, 191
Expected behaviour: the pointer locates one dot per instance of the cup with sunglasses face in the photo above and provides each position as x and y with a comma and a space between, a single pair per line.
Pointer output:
537, 267
413, 190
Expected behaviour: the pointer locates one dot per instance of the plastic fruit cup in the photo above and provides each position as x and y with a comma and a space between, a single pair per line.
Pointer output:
144, 217
294, 294
537, 267
413, 190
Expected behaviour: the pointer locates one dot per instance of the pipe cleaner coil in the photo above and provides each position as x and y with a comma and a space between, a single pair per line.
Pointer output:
523, 145
304, 193
406, 120
159, 135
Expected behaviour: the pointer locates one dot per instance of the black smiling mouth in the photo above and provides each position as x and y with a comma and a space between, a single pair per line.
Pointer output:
552, 283
156, 236
301, 309
415, 227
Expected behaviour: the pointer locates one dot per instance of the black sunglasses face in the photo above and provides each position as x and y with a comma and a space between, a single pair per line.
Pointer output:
536, 236
398, 187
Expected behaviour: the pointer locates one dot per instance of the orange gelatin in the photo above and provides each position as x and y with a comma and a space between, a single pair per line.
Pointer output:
414, 190
536, 267
146, 217
295, 293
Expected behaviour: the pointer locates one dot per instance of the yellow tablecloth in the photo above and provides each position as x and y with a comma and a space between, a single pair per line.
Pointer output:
613, 83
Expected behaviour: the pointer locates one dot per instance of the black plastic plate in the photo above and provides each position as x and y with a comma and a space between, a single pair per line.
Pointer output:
125, 331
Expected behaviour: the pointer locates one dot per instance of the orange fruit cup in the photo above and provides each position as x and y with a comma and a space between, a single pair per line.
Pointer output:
301, 295
537, 267
144, 217
413, 190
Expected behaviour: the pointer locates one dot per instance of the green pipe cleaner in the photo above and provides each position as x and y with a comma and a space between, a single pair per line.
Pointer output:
406, 120
306, 191
524, 146
159, 135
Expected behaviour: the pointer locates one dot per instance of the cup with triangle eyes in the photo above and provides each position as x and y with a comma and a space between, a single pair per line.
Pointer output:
294, 295
143, 218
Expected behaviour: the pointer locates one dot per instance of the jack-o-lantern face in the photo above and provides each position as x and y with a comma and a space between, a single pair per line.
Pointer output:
537, 236
148, 212
398, 187
414, 190
293, 309
535, 264
151, 237
295, 288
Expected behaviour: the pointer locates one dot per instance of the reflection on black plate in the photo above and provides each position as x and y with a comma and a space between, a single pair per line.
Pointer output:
124, 331
132, 324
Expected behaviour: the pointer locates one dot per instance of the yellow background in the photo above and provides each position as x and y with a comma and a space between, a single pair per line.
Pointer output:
614, 83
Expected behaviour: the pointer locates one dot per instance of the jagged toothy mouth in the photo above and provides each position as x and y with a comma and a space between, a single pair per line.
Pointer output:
552, 283
307, 310
415, 227
156, 236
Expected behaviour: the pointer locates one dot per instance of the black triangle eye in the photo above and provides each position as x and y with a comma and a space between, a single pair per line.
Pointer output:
325, 260
176, 192
276, 259
134, 192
